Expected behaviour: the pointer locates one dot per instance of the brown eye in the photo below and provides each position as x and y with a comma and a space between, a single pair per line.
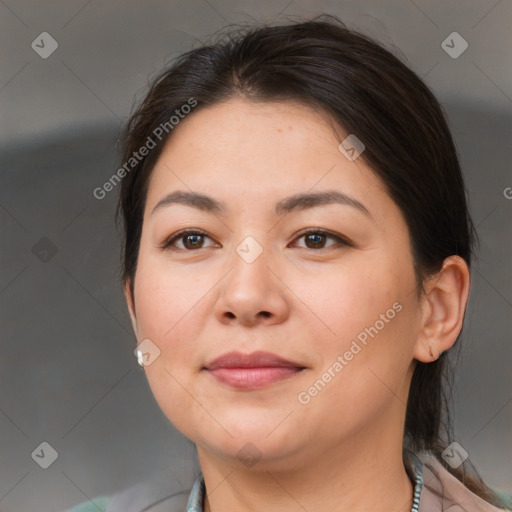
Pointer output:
195, 241
190, 240
316, 239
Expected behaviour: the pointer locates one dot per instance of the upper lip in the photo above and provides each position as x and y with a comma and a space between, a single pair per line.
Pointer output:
258, 359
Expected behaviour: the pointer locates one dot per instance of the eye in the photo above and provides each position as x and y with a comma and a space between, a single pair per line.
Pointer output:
315, 239
192, 239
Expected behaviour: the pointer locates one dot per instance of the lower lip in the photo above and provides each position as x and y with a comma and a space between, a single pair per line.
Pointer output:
253, 378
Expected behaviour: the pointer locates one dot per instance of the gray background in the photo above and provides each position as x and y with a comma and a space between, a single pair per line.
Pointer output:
67, 370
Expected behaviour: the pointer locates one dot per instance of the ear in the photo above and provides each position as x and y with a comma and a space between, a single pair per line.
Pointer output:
443, 305
130, 302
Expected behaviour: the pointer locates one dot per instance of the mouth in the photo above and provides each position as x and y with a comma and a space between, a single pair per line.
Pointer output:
252, 371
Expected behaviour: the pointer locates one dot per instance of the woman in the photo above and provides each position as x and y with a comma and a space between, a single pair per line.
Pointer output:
296, 263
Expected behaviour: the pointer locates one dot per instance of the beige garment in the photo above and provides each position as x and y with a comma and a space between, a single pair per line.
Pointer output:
456, 496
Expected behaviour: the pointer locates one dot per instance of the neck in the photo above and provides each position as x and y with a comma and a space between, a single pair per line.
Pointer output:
340, 479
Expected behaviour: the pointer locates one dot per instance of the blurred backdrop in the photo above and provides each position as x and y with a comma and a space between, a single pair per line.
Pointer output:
69, 74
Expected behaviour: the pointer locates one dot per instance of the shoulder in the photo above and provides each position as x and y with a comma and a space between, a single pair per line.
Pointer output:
506, 498
125, 501
161, 493
441, 487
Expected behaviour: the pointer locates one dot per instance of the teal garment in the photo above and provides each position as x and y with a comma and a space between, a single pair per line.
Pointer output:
506, 498
95, 505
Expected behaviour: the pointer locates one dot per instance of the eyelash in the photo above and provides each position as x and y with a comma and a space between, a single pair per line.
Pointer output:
168, 242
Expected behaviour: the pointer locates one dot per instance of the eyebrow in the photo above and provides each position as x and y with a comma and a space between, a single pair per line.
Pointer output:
287, 205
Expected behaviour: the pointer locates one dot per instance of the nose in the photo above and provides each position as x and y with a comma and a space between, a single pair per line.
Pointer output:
252, 293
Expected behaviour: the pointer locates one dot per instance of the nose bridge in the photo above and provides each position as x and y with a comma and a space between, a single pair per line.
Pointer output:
251, 249
251, 288
251, 260
252, 238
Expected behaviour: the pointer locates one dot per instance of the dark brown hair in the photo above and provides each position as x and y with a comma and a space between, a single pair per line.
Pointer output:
370, 93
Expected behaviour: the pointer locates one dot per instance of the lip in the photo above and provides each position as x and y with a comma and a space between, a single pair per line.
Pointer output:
252, 371
258, 359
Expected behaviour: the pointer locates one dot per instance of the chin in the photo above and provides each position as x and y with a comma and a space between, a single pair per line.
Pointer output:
252, 446
252, 454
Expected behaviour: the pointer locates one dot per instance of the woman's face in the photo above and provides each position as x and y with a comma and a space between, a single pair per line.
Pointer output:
338, 304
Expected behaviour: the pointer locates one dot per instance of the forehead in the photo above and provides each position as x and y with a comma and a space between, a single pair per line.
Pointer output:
249, 151
241, 123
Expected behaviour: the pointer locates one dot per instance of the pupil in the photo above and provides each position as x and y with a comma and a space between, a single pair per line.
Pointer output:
191, 238
315, 238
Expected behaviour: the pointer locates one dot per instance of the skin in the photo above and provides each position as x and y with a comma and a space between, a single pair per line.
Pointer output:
342, 451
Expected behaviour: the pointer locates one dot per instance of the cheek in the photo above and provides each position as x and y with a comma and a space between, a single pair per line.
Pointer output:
367, 332
169, 311
351, 300
364, 371
167, 301
167, 305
